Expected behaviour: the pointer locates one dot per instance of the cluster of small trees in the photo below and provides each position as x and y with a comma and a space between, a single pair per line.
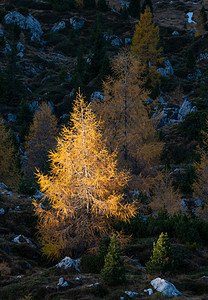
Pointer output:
108, 147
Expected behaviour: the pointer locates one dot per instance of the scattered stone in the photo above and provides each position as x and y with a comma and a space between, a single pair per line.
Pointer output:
29, 70
25, 22
7, 193
199, 203
19, 276
20, 47
149, 291
7, 48
203, 56
97, 96
185, 109
3, 186
21, 239
167, 70
2, 211
205, 277
175, 33
68, 262
116, 42
1, 31
34, 106
77, 23
194, 76
165, 287
64, 116
58, 26
20, 54
17, 208
62, 283
93, 284
131, 294
128, 41
12, 118
38, 195
190, 16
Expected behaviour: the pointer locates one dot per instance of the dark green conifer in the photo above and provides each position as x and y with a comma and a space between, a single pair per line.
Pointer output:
113, 272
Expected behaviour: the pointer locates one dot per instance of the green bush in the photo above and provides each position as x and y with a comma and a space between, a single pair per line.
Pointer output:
113, 272
180, 226
161, 259
193, 125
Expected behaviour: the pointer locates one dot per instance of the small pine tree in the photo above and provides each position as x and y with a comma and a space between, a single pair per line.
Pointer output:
113, 272
161, 259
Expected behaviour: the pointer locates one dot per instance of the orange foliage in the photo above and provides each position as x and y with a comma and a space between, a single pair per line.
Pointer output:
84, 187
128, 127
145, 45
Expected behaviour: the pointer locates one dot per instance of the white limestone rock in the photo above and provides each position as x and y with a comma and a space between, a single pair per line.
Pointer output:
165, 287
116, 42
62, 283
131, 294
97, 96
168, 69
77, 23
68, 262
2, 211
58, 26
185, 109
25, 22
12, 118
21, 239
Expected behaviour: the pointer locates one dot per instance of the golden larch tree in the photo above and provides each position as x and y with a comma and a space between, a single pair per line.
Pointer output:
84, 188
9, 172
41, 138
127, 125
164, 195
145, 45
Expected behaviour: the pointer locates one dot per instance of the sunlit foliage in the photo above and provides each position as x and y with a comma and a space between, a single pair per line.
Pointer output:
84, 188
145, 45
